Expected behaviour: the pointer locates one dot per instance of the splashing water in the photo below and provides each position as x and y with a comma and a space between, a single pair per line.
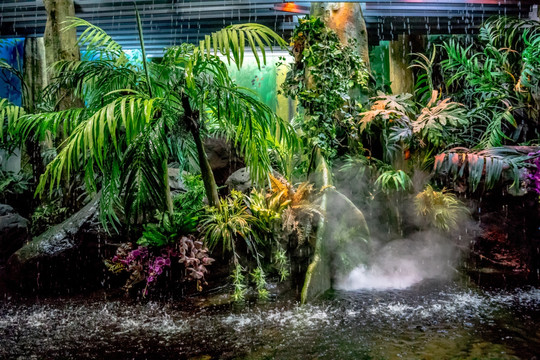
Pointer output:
433, 319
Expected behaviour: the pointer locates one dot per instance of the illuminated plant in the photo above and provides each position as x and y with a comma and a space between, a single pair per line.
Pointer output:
440, 209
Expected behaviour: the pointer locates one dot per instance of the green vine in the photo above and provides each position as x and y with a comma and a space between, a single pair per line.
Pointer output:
322, 78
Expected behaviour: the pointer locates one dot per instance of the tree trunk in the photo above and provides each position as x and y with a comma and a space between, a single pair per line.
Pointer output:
35, 80
210, 185
192, 121
347, 20
61, 45
35, 71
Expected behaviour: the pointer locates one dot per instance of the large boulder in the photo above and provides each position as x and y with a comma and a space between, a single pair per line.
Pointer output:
13, 232
67, 257
176, 184
223, 158
240, 180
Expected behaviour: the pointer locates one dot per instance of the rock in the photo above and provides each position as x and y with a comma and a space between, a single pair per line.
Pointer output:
13, 232
506, 247
6, 209
67, 257
240, 180
223, 158
176, 184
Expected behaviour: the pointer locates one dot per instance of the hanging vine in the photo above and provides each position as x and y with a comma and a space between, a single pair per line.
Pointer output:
322, 77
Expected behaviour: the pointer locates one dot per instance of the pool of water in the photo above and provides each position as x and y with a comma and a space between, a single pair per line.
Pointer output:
431, 320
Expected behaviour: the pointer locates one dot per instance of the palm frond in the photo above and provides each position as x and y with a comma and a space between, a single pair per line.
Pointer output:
494, 136
98, 138
144, 172
393, 180
253, 126
424, 82
231, 42
93, 79
95, 38
42, 124
530, 72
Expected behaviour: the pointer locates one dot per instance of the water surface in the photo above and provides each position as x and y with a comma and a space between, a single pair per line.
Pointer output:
432, 320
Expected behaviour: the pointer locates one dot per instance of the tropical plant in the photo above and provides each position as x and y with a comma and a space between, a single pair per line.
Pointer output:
231, 221
121, 138
268, 208
534, 173
301, 206
424, 85
254, 227
281, 263
440, 122
46, 214
13, 183
440, 209
388, 121
498, 78
239, 283
9, 113
259, 278
184, 219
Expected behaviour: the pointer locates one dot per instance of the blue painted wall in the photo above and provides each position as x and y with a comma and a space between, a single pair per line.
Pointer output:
11, 51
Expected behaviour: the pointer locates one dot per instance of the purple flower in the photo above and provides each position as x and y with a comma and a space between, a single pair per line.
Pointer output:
534, 174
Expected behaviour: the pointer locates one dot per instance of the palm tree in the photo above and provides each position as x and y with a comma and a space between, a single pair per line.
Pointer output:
134, 109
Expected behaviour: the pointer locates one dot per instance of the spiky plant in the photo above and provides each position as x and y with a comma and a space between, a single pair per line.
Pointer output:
230, 222
441, 209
